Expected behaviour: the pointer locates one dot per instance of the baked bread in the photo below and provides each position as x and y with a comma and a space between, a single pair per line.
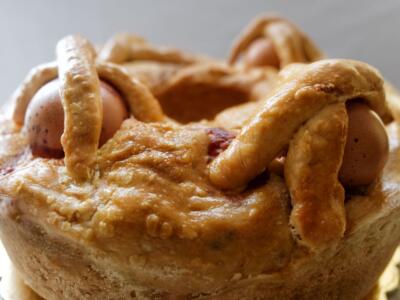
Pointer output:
165, 210
193, 87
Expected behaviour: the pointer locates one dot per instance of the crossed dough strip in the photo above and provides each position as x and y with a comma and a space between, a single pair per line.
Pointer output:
302, 98
81, 100
36, 78
80, 96
290, 43
311, 172
125, 47
140, 100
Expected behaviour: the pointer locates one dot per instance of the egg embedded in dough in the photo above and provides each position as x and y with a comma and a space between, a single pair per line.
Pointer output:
44, 119
261, 52
367, 146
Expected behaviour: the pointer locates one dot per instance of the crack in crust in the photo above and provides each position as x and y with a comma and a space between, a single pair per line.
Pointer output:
291, 44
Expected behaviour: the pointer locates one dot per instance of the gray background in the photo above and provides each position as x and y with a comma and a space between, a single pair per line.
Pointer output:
367, 30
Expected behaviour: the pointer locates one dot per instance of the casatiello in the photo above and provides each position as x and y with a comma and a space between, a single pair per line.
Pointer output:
264, 195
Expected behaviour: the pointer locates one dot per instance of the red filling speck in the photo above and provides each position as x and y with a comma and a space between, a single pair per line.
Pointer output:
219, 141
6, 170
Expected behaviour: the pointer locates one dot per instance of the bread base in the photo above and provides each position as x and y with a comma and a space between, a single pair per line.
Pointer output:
57, 268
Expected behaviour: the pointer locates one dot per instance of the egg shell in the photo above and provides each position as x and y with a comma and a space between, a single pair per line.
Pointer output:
367, 146
44, 119
261, 52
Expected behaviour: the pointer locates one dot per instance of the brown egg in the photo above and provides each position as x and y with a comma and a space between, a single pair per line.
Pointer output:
261, 52
44, 119
367, 146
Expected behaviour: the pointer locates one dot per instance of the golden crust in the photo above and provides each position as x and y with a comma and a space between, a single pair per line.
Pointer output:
140, 100
125, 47
305, 96
302, 94
153, 65
311, 172
111, 265
188, 87
80, 96
80, 93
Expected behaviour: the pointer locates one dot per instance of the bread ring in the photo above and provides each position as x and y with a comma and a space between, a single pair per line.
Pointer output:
189, 87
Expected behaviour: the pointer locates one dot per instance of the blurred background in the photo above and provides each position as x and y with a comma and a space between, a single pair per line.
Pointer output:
367, 30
